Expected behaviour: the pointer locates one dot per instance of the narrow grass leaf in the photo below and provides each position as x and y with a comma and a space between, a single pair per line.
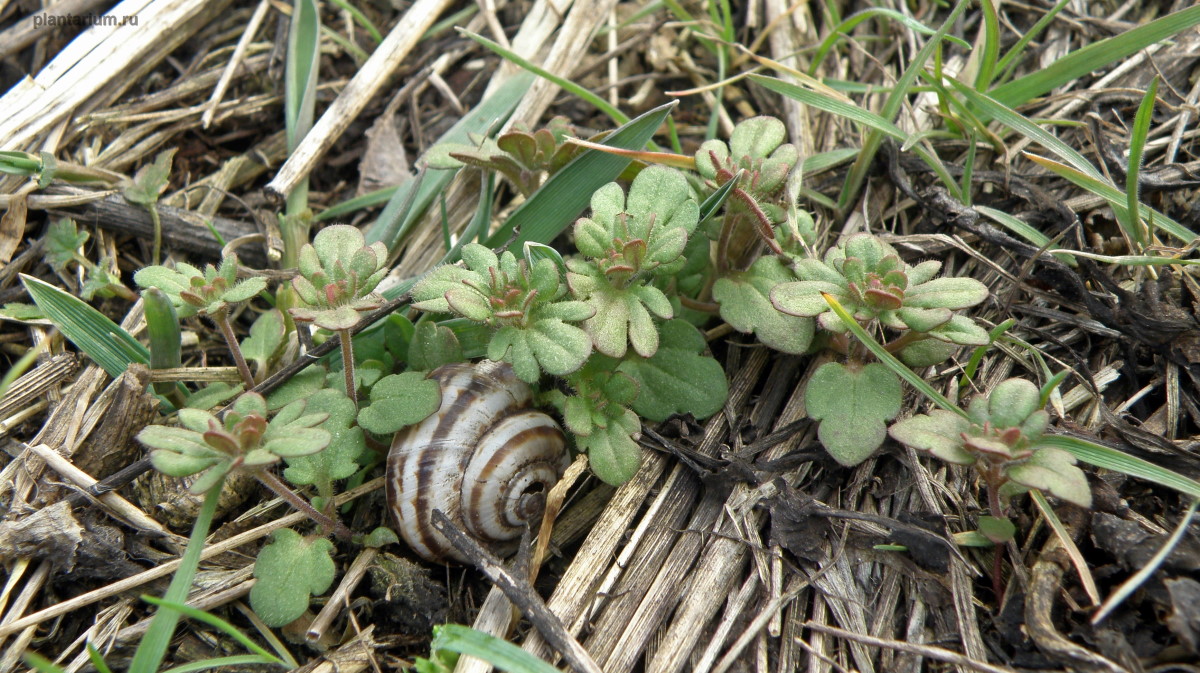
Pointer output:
978, 353
153, 646
1010, 58
984, 59
215, 622
1095, 56
300, 90
97, 659
497, 652
891, 109
1024, 230
216, 662
1077, 560
1119, 461
889, 360
1133, 170
843, 29
994, 109
717, 199
855, 113
1136, 580
568, 192
90, 330
566, 84
410, 200
1114, 196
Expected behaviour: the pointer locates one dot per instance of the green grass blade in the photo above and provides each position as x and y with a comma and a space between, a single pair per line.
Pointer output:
890, 361
361, 19
717, 199
300, 88
991, 46
826, 160
1115, 198
97, 659
1023, 230
1137, 144
215, 622
1009, 60
994, 109
1094, 56
865, 117
566, 84
1119, 461
357, 203
499, 653
568, 192
153, 647
843, 29
891, 109
396, 220
90, 330
235, 660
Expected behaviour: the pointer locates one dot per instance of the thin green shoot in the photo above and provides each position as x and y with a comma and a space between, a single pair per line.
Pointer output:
977, 354
843, 29
1137, 145
891, 110
356, 52
1009, 61
215, 622
361, 19
1095, 56
983, 60
1064, 536
566, 84
1114, 196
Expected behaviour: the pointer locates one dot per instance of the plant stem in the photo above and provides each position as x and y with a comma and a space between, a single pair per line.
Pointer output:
280, 489
348, 364
221, 318
153, 647
994, 481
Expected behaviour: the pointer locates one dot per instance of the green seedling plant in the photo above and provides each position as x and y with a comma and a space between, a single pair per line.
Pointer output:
210, 293
144, 189
63, 246
338, 276
1000, 437
882, 293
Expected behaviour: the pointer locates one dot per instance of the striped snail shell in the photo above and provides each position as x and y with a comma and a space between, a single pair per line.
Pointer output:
486, 459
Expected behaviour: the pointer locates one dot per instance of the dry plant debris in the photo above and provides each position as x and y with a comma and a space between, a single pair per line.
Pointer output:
1059, 172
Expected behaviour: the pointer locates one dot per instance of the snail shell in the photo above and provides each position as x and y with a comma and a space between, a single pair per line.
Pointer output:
485, 459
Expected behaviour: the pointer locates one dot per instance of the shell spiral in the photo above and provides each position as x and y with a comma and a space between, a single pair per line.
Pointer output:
485, 458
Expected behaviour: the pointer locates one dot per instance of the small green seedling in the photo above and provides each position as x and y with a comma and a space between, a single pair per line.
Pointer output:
868, 278
338, 276
525, 158
1000, 438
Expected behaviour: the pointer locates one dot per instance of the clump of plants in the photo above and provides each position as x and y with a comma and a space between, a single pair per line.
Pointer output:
609, 335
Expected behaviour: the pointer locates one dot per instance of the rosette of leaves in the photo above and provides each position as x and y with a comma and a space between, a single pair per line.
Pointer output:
756, 147
526, 304
868, 278
525, 158
626, 243
195, 292
1000, 437
338, 276
599, 417
244, 439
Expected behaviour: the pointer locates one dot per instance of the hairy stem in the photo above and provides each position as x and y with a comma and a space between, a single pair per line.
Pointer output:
221, 318
268, 479
348, 364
